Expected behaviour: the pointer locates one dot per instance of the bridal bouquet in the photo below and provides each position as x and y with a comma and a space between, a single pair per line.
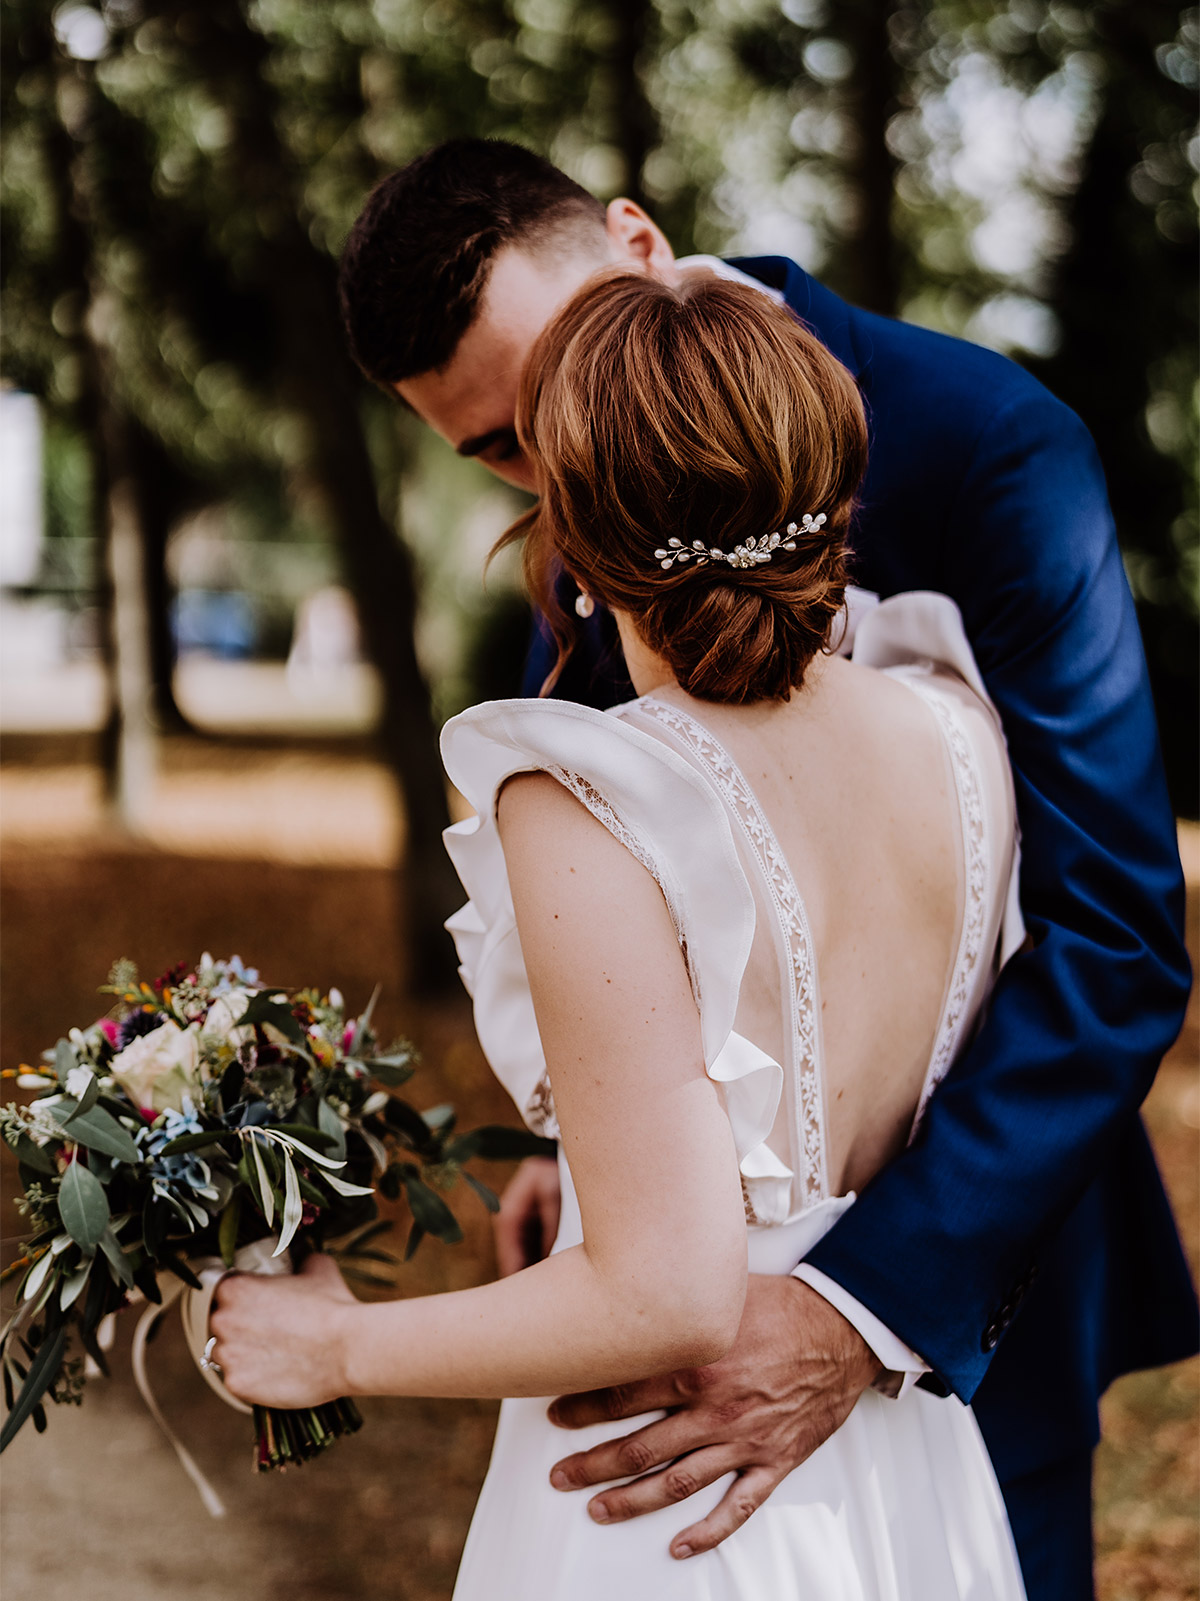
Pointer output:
211, 1121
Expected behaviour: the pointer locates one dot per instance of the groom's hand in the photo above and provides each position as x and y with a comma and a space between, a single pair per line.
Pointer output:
791, 1379
527, 1221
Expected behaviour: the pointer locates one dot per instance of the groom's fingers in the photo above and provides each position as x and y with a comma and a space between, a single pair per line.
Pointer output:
743, 1497
658, 1443
616, 1402
674, 1483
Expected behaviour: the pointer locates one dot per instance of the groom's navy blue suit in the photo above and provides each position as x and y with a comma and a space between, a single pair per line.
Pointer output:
1032, 1182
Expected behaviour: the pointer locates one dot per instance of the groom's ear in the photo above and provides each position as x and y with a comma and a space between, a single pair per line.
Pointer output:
638, 242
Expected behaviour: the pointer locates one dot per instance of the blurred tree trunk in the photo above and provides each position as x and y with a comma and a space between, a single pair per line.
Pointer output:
128, 741
636, 131
162, 495
872, 268
321, 383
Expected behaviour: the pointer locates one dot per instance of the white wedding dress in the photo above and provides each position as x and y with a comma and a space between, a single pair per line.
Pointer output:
901, 1504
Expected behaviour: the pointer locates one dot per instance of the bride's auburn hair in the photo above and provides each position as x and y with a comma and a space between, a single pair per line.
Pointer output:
702, 410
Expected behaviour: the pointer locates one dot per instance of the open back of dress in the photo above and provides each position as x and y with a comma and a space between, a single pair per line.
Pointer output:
901, 1503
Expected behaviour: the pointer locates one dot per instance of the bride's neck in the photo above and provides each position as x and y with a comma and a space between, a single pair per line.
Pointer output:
649, 672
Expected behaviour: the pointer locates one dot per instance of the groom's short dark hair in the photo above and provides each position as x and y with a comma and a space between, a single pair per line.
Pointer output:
418, 259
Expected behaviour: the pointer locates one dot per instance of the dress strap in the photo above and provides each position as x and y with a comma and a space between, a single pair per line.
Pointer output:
808, 1104
956, 1009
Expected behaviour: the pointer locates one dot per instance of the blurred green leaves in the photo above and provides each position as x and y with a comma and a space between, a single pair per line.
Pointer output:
1019, 171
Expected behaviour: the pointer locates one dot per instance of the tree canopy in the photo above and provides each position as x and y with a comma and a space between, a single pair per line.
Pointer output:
179, 177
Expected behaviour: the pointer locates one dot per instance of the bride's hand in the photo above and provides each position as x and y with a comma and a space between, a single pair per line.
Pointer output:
284, 1341
792, 1378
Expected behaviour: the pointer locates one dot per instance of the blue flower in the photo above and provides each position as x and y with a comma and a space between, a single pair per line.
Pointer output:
232, 975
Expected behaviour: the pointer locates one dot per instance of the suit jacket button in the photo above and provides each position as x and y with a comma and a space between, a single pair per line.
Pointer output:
991, 1337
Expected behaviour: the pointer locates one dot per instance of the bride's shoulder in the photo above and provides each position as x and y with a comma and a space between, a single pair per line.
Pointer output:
482, 748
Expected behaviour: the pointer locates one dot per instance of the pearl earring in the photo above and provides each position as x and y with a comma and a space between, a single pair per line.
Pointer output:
584, 604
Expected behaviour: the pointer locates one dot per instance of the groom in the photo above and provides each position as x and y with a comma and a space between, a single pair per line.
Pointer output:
1032, 1186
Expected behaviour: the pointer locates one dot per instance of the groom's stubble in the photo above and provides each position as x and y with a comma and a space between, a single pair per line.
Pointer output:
471, 401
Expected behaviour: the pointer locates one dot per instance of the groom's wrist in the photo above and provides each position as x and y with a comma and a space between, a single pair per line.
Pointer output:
899, 1365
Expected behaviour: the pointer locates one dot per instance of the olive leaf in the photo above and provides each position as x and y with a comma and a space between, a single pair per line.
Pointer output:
83, 1206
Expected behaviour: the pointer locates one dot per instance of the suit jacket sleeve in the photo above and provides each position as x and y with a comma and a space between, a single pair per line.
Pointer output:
1077, 1024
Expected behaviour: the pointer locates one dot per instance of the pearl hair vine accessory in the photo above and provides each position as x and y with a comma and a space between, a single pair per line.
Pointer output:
752, 554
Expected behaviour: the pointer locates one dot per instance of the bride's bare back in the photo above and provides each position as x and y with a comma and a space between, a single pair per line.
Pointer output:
854, 778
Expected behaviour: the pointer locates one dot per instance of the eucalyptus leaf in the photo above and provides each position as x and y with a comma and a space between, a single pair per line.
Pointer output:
408, 1122
228, 1232
36, 1276
97, 1130
88, 1336
363, 1023
266, 1198
431, 1212
264, 1009
83, 1206
489, 1197
65, 1059
42, 1373
364, 1277
390, 1071
372, 1230
495, 1142
293, 1207
193, 1142
176, 1264
344, 1188
385, 1257
331, 1124
310, 1192
146, 1280
117, 1258
73, 1285
30, 1154
318, 1138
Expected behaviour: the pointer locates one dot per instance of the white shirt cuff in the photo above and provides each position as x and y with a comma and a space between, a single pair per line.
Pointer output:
902, 1364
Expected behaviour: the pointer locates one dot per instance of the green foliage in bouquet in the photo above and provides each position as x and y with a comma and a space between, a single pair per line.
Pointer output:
205, 1113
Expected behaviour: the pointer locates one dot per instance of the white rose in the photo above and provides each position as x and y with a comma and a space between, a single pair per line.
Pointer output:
158, 1069
222, 1020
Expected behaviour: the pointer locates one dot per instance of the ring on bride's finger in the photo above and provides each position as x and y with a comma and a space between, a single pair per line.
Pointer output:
207, 1365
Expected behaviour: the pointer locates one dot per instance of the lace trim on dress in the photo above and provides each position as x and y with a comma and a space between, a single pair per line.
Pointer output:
539, 1110
948, 1039
743, 803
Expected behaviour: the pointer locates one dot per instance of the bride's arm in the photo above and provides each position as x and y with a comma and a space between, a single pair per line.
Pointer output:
660, 1280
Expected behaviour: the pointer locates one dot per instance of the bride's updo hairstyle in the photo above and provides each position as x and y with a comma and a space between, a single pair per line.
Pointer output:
702, 411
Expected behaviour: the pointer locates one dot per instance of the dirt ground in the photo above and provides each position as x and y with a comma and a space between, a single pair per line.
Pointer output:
99, 1502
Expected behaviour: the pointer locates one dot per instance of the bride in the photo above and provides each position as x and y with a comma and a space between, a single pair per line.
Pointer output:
723, 943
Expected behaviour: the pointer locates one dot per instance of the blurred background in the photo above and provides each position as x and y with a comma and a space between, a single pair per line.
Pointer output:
240, 590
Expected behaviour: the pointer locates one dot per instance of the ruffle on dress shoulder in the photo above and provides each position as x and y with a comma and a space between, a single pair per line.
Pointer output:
659, 807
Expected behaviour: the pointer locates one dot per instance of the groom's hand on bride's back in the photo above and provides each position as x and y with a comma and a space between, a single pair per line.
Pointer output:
792, 1378
527, 1221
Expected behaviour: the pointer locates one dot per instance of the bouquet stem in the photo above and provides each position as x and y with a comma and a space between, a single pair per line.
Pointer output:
288, 1438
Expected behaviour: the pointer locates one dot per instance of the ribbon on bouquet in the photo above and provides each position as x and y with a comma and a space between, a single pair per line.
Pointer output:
195, 1307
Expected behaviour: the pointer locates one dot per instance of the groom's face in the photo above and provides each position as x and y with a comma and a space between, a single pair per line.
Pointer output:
472, 401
